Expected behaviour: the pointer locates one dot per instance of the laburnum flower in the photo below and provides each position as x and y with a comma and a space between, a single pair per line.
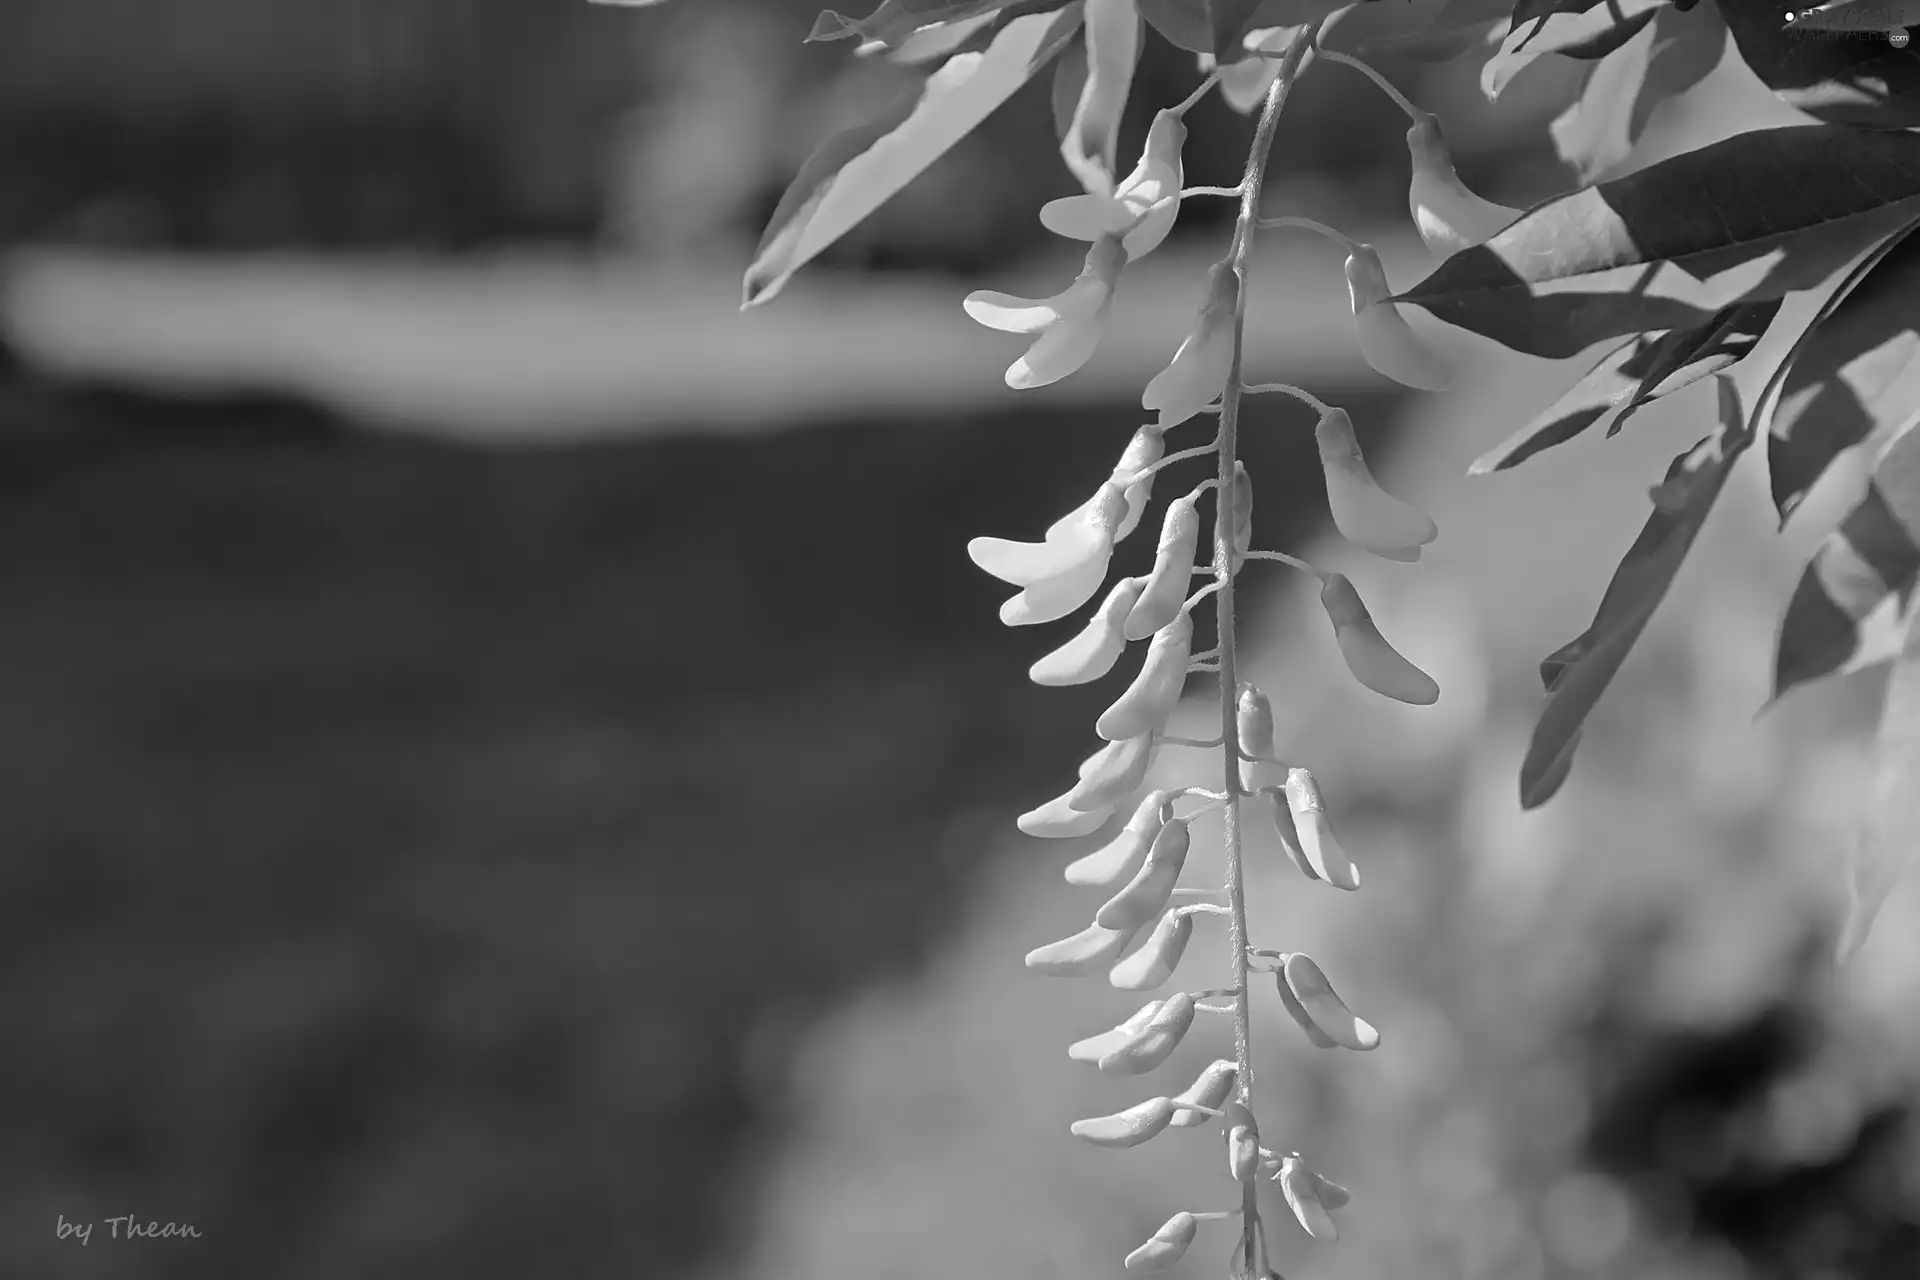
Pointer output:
1062, 573
1448, 216
1198, 372
1387, 342
1066, 327
1142, 209
1365, 514
1373, 662
1244, 84
1113, 47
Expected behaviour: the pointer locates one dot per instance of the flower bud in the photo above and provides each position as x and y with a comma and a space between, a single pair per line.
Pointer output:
1373, 662
1147, 893
1089, 951
1066, 327
1243, 1143
1315, 832
1253, 728
1092, 653
1094, 1048
1084, 536
1165, 590
1127, 1128
1365, 514
1448, 216
1198, 372
1155, 1042
1143, 208
1323, 1006
1155, 692
1283, 826
1210, 1089
1119, 860
1301, 1187
1112, 775
1298, 1012
1058, 820
1167, 1244
1157, 957
1387, 342
1242, 508
1148, 446
1113, 46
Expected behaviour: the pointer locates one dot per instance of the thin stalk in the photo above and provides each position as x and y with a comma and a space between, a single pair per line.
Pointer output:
1223, 560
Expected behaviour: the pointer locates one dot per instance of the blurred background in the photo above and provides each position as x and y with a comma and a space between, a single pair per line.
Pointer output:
511, 773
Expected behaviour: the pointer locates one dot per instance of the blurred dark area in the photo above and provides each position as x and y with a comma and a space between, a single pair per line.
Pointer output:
421, 856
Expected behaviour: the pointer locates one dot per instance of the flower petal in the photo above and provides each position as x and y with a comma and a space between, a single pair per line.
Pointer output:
1387, 342
1448, 216
1165, 589
1157, 957
1085, 216
1151, 698
1364, 513
1092, 653
1197, 374
1373, 662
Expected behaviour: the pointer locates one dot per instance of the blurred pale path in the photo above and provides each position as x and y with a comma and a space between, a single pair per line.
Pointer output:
1669, 890
549, 350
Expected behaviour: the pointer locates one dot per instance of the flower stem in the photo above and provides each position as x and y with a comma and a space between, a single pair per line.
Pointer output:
1223, 560
1399, 98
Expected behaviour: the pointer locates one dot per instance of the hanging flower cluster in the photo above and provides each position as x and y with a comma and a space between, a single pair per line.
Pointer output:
1141, 927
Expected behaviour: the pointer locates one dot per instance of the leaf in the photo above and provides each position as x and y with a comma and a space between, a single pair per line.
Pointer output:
1891, 832
1857, 81
1578, 673
1204, 26
1575, 28
857, 171
1745, 219
1450, 30
1861, 576
1636, 372
895, 20
1857, 376
1597, 132
1069, 79
1217, 27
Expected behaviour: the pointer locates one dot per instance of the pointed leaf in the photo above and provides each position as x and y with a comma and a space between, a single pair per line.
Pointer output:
1861, 578
857, 171
1670, 55
1666, 246
1857, 81
1580, 671
1857, 376
1575, 28
895, 20
1633, 374
1891, 832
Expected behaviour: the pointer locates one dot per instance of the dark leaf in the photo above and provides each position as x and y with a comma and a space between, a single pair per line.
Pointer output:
1597, 132
1069, 79
1857, 376
1577, 674
1205, 26
1743, 220
1580, 672
1891, 834
856, 172
1845, 78
1636, 372
1574, 28
895, 20
1859, 580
